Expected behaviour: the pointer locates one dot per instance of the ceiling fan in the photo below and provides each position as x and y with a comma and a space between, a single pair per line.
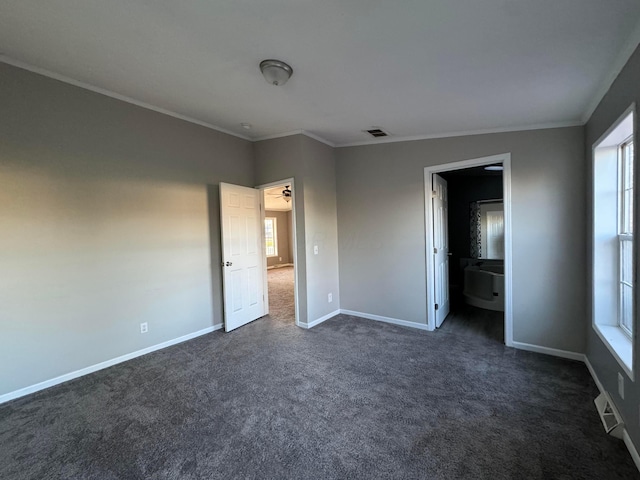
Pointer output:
285, 195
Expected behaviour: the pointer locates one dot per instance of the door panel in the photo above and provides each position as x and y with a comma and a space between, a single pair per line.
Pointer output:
441, 248
241, 255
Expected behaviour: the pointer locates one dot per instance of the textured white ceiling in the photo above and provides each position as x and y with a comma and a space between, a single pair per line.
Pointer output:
415, 67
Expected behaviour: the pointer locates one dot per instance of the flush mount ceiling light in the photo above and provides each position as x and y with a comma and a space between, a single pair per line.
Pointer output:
494, 168
276, 72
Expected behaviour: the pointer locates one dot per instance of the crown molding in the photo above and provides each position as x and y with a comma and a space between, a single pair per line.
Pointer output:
618, 64
117, 96
540, 126
62, 78
296, 132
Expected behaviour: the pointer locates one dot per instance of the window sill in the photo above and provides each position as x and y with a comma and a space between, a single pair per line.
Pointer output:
619, 344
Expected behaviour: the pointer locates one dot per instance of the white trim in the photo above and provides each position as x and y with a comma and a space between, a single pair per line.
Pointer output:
295, 132
318, 321
549, 351
625, 436
280, 265
411, 138
148, 106
505, 159
616, 67
380, 318
631, 447
294, 237
102, 365
318, 138
618, 344
593, 374
508, 252
630, 109
609, 337
274, 233
117, 96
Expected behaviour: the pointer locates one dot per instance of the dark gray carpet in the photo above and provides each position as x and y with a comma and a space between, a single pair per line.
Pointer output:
281, 296
351, 398
472, 321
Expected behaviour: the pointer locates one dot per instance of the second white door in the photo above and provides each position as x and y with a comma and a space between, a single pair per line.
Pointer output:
242, 256
441, 248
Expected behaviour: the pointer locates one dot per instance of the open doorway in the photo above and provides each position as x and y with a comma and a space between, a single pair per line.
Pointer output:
468, 213
280, 251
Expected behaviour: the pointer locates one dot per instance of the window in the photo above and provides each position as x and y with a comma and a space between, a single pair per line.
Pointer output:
492, 230
271, 236
625, 236
613, 245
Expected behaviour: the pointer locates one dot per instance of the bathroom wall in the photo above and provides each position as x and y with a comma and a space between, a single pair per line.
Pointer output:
462, 191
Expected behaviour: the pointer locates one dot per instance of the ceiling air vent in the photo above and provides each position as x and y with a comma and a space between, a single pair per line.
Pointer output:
376, 132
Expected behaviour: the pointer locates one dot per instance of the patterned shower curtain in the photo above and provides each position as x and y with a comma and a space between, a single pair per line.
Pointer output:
475, 228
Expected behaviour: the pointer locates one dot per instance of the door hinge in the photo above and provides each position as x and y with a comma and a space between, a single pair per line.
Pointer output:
434, 194
435, 250
436, 306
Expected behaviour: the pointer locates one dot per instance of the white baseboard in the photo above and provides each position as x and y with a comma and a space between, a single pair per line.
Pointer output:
632, 448
319, 320
102, 365
280, 265
379, 318
549, 351
625, 436
593, 374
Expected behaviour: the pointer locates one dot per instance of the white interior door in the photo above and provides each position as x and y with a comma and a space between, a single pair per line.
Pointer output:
441, 248
241, 255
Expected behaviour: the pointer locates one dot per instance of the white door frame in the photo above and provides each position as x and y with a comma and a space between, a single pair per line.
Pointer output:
505, 159
262, 188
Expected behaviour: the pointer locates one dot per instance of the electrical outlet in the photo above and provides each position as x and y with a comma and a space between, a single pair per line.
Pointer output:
621, 385
279, 259
330, 297
144, 327
315, 249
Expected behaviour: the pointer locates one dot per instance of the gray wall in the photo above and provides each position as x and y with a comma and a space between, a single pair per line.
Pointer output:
283, 233
624, 91
109, 216
381, 227
290, 228
312, 165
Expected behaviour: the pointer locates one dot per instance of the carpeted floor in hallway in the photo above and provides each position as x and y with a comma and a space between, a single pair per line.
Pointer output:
281, 296
348, 399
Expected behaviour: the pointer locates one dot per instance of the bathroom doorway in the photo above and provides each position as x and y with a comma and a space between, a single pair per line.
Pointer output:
468, 214
279, 238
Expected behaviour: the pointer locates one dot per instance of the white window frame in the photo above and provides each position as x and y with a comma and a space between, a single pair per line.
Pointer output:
274, 221
625, 233
608, 235
487, 207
